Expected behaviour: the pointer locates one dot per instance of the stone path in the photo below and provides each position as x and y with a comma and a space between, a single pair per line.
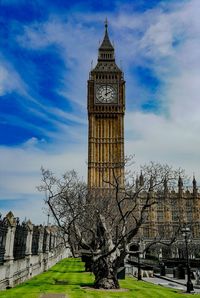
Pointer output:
49, 295
170, 282
164, 283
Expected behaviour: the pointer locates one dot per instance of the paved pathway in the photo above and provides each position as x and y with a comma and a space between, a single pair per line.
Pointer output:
170, 282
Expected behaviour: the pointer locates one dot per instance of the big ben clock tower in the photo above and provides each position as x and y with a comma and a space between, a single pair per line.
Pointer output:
106, 105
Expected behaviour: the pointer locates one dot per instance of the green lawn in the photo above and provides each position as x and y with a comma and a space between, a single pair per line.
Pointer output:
70, 274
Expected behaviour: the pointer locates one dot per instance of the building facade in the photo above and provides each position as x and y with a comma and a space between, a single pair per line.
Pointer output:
174, 209
106, 106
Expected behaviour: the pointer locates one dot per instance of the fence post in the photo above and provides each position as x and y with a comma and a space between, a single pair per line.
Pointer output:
8, 256
28, 252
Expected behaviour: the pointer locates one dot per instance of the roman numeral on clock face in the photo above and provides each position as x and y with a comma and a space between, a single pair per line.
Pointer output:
106, 94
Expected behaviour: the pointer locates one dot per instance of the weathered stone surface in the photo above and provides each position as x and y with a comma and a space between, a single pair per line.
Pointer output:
49, 295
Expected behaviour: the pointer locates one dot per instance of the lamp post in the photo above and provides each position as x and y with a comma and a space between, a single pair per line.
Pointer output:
189, 284
139, 277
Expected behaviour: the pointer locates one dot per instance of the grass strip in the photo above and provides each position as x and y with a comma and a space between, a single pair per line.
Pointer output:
68, 277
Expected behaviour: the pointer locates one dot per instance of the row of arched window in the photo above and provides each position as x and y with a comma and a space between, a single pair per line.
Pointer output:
106, 55
107, 76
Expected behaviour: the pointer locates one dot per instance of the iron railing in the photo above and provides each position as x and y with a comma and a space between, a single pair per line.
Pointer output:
35, 240
3, 232
21, 233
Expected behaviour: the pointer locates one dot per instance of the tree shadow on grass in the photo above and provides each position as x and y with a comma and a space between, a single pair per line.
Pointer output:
68, 282
66, 271
35, 284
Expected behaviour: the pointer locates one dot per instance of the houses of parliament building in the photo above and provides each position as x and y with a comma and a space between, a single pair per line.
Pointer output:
174, 209
106, 109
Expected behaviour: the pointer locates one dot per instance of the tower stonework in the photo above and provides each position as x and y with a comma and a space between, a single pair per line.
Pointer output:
106, 106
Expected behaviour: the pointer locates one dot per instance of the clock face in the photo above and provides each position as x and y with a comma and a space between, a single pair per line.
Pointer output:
106, 94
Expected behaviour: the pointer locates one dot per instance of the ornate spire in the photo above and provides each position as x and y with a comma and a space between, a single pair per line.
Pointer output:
180, 182
106, 49
194, 186
180, 185
165, 185
194, 182
106, 44
141, 179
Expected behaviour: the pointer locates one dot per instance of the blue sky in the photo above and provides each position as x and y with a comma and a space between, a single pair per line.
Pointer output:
45, 57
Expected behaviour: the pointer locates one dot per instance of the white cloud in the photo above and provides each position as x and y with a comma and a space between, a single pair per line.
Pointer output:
20, 174
7, 84
154, 138
32, 208
75, 43
23, 164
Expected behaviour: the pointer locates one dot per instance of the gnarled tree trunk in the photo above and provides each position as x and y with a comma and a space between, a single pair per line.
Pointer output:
105, 273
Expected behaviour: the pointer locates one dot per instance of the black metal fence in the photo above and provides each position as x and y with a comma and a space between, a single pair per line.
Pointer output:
3, 232
35, 240
21, 233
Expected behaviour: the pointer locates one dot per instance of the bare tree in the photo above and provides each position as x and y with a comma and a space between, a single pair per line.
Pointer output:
103, 222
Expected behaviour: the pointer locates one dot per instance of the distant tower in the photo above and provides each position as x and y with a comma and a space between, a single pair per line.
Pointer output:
106, 106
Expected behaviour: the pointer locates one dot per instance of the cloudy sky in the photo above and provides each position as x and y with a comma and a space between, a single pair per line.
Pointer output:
46, 49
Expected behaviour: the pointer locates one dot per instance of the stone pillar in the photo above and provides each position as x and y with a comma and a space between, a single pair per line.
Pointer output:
46, 257
48, 231
8, 256
10, 236
41, 237
40, 245
28, 252
29, 227
53, 232
55, 242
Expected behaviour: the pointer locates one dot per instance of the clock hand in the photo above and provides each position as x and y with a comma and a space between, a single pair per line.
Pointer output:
107, 93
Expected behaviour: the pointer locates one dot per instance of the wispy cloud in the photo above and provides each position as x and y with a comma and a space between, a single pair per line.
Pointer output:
20, 174
8, 85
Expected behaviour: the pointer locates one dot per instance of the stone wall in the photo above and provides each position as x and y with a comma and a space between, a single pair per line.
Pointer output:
27, 250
